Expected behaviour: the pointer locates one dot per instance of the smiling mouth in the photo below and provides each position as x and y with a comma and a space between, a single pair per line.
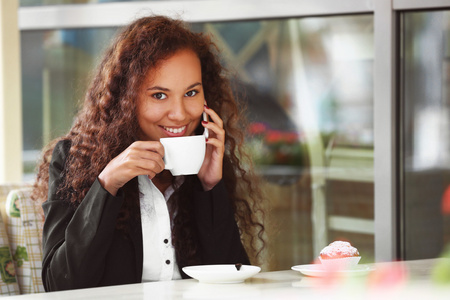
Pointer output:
174, 130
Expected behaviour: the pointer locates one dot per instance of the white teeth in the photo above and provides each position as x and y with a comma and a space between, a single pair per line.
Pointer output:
174, 130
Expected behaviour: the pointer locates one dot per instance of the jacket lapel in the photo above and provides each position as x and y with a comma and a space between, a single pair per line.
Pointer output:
135, 230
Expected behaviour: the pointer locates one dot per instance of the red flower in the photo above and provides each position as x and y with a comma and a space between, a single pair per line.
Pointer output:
257, 128
445, 207
274, 136
388, 275
291, 137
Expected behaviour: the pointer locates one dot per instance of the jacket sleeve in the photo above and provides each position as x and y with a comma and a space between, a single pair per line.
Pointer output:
219, 236
75, 241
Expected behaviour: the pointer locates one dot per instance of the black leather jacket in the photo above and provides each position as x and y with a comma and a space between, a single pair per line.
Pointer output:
82, 247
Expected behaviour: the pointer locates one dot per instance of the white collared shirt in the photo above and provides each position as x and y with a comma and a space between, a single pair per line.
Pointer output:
159, 253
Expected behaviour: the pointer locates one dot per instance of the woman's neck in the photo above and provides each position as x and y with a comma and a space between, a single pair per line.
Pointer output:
163, 180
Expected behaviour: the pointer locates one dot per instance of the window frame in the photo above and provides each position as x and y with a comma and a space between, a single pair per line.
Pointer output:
387, 175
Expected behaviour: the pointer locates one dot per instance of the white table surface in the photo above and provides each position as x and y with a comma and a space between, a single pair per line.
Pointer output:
415, 284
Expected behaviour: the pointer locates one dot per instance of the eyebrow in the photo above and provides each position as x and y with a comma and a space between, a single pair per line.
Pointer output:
159, 88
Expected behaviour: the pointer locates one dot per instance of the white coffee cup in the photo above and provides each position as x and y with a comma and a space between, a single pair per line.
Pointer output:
184, 155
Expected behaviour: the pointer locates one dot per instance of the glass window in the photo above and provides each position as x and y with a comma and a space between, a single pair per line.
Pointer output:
309, 91
58, 2
55, 70
425, 89
308, 87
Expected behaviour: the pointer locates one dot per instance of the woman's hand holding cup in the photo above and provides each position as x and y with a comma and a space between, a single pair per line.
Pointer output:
140, 158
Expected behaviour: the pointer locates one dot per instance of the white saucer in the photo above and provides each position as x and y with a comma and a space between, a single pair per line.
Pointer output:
317, 270
221, 273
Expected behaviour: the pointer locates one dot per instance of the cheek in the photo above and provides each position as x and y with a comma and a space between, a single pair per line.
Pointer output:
196, 110
147, 115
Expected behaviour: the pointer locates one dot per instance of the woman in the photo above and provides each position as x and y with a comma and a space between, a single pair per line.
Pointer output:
103, 185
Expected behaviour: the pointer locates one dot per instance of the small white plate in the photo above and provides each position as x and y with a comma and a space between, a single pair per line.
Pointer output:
317, 270
221, 273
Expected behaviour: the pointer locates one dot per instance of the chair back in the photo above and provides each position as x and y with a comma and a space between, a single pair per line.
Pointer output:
8, 279
25, 238
5, 188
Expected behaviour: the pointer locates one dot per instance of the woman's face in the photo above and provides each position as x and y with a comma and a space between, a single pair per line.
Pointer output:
171, 98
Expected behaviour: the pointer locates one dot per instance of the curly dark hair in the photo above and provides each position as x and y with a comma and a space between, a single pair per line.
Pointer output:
107, 124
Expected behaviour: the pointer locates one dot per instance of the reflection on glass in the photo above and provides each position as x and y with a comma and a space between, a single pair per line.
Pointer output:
307, 86
426, 126
55, 69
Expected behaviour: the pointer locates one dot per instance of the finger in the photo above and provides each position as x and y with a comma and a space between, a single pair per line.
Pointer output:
154, 146
151, 160
150, 151
217, 144
139, 170
218, 131
150, 168
140, 158
214, 116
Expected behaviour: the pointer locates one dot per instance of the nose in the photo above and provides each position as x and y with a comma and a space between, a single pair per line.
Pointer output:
177, 111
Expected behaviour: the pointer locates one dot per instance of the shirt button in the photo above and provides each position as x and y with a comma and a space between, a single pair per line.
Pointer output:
168, 262
166, 241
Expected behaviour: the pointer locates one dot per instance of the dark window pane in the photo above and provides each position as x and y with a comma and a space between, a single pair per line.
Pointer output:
426, 91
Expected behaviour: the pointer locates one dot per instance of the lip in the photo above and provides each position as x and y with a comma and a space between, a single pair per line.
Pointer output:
174, 134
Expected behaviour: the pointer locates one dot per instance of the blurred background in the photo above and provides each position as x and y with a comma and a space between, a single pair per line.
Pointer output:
313, 76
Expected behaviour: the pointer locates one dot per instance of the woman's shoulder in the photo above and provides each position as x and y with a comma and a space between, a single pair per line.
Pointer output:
63, 144
61, 150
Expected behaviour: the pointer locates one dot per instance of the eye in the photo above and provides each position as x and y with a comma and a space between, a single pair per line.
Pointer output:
159, 96
191, 93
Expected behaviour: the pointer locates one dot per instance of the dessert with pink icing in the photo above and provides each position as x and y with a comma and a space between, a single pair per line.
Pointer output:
339, 254
339, 249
